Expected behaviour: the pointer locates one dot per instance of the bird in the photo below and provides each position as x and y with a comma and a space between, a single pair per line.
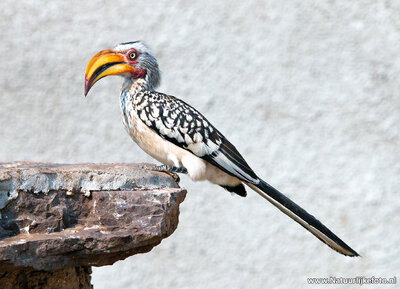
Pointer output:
182, 139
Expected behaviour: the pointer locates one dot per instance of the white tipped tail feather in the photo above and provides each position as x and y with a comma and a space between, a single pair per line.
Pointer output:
302, 217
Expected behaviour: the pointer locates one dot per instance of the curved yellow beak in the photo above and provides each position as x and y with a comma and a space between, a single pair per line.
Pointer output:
104, 63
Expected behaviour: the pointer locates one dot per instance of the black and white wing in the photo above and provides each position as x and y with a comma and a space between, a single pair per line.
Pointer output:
181, 124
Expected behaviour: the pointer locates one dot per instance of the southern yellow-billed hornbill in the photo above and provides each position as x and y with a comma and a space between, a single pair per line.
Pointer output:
177, 135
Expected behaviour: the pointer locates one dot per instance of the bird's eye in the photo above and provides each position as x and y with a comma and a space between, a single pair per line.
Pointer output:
132, 55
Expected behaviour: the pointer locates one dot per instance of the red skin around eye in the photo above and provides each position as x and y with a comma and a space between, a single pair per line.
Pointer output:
139, 72
133, 61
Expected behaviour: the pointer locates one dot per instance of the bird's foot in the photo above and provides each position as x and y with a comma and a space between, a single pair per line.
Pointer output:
171, 170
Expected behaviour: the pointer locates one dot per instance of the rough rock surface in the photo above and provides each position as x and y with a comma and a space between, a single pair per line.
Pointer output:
53, 223
67, 278
44, 177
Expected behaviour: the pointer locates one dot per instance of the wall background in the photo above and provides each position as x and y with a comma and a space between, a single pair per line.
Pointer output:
307, 91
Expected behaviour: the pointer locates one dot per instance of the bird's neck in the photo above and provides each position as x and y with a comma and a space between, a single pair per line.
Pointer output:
136, 85
132, 92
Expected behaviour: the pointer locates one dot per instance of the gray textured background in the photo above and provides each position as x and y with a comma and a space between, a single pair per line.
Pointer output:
308, 91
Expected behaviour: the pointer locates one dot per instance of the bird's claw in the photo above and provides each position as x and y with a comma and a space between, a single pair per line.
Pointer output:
170, 170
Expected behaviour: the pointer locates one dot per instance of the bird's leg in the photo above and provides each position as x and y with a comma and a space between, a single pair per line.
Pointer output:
171, 170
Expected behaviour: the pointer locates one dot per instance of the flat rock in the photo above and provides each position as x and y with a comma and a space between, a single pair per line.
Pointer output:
57, 216
44, 177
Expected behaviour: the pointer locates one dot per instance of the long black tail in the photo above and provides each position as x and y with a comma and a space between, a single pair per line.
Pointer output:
301, 216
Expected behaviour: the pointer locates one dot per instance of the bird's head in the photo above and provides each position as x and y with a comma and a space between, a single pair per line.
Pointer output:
132, 60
